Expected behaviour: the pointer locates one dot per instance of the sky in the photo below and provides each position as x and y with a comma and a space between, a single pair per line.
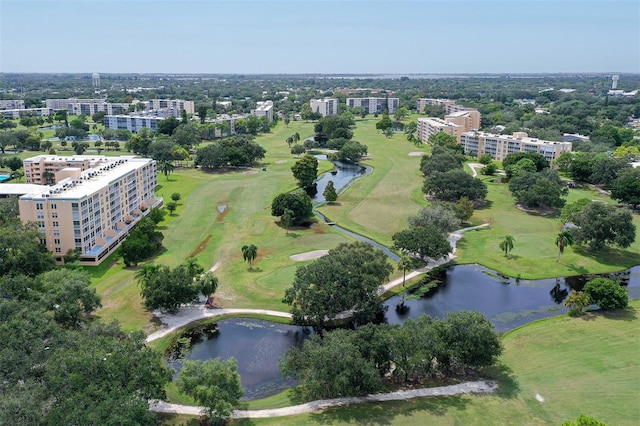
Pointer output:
319, 36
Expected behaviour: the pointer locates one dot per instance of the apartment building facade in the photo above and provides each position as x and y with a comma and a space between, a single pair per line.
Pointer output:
422, 102
429, 126
375, 105
132, 123
42, 169
469, 119
177, 104
11, 104
264, 109
92, 211
325, 106
499, 146
17, 113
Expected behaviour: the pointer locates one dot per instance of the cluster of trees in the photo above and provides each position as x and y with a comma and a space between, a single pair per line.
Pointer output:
445, 178
418, 349
345, 280
235, 151
18, 139
144, 240
332, 127
58, 366
294, 207
162, 287
599, 224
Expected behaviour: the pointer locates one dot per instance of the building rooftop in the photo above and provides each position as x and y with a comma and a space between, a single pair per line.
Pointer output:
21, 188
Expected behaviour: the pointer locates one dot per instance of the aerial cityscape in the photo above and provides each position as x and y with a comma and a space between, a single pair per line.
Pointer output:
251, 212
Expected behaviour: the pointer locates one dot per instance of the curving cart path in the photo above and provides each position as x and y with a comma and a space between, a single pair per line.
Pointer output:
478, 387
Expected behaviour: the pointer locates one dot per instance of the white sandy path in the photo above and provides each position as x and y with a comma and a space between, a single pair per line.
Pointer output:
481, 387
310, 255
475, 166
416, 154
215, 267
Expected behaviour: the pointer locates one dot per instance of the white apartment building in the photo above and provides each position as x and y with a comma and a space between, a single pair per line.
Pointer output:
11, 104
422, 102
499, 146
57, 104
17, 113
374, 105
178, 104
428, 126
92, 211
132, 123
264, 109
326, 106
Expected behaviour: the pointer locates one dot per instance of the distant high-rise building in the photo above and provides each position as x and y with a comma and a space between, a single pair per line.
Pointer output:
614, 82
326, 106
95, 80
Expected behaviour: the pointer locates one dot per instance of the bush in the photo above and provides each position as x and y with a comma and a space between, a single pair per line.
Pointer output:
607, 294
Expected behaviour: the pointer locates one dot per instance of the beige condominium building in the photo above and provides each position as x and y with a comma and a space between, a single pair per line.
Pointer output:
499, 146
92, 210
42, 169
469, 119
428, 126
422, 102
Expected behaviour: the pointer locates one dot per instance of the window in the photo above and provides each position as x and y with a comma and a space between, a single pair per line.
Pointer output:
40, 224
56, 241
55, 223
54, 215
56, 232
39, 206
58, 250
54, 206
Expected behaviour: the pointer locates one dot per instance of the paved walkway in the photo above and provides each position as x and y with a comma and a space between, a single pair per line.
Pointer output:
482, 387
191, 313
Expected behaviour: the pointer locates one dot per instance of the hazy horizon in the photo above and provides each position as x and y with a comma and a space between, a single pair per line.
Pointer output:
320, 37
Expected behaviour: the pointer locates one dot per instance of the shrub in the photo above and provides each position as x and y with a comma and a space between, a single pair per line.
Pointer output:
607, 294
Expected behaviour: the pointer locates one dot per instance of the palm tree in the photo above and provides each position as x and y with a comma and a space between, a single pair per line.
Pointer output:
208, 284
48, 177
404, 264
249, 253
576, 301
192, 267
289, 141
506, 245
287, 219
166, 167
564, 239
145, 273
296, 137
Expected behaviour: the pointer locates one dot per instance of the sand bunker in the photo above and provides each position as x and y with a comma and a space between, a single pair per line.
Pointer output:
280, 161
310, 255
416, 154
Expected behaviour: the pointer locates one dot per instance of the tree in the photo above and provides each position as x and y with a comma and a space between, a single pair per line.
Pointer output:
171, 207
410, 130
626, 187
576, 301
569, 211
453, 185
423, 241
346, 279
485, 159
490, 169
400, 113
441, 217
166, 167
543, 189
168, 125
289, 141
143, 241
512, 159
208, 284
563, 239
21, 251
287, 219
564, 161
298, 149
606, 293
249, 253
305, 170
68, 295
166, 288
584, 420
463, 209
296, 201
202, 113
352, 151
330, 193
214, 384
506, 245
600, 224
404, 264
384, 123
443, 140
14, 163
156, 215
176, 196
525, 165
187, 135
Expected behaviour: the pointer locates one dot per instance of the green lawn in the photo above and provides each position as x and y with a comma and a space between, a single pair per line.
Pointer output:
585, 365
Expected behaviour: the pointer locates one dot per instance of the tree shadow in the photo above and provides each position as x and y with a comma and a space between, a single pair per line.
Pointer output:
627, 314
508, 386
513, 256
485, 205
292, 235
254, 269
580, 270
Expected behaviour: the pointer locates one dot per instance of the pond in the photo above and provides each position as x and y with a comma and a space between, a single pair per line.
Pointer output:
506, 302
256, 345
342, 176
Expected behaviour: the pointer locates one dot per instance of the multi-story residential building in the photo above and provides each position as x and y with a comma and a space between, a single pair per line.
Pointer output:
132, 123
42, 169
264, 109
374, 105
17, 113
499, 146
92, 211
469, 119
68, 104
178, 104
428, 126
11, 104
326, 106
422, 102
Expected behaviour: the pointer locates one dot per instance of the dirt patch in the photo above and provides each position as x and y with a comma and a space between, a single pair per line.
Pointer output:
251, 172
416, 154
201, 247
280, 161
310, 255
